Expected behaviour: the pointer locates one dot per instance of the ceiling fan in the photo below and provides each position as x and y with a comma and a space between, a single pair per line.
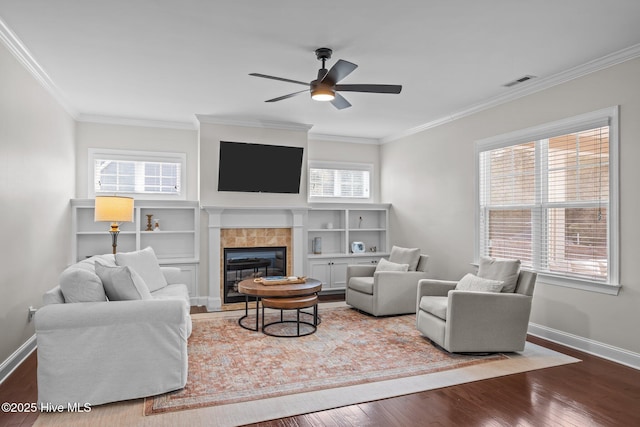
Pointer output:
325, 87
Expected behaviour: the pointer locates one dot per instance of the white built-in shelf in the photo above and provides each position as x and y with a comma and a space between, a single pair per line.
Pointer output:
177, 243
178, 239
338, 225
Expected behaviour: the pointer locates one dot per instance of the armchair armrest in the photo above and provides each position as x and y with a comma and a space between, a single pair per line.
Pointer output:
476, 320
435, 288
395, 291
358, 270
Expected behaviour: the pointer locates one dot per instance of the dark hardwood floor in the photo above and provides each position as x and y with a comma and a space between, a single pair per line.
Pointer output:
594, 392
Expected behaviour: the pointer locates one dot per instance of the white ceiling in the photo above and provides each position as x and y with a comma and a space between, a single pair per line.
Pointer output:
168, 60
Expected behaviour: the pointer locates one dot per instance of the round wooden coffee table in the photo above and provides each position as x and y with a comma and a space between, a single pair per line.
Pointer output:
257, 290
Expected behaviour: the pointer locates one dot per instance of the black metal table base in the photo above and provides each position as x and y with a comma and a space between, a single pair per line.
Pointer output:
257, 328
246, 314
297, 322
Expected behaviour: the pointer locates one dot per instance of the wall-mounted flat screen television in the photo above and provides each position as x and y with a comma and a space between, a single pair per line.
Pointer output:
261, 168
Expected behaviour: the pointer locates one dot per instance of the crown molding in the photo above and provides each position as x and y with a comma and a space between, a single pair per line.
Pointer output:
340, 138
125, 121
256, 123
22, 54
528, 88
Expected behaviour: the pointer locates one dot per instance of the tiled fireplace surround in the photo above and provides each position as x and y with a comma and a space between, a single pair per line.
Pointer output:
252, 226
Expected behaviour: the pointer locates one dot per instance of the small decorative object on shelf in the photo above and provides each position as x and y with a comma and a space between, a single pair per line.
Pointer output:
157, 226
149, 224
360, 222
317, 245
357, 247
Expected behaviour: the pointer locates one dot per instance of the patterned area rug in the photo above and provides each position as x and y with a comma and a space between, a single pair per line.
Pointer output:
229, 364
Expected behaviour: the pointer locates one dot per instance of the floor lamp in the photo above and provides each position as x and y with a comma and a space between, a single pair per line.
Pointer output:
114, 209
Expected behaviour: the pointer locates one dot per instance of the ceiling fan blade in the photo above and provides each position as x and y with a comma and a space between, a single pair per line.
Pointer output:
264, 76
339, 71
291, 95
370, 88
340, 102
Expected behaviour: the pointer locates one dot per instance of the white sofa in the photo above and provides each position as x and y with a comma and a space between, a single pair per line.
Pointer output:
104, 351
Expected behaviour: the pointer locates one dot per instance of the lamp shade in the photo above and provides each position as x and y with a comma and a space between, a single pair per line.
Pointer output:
114, 209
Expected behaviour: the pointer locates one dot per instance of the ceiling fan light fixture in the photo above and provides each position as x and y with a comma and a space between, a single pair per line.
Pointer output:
322, 94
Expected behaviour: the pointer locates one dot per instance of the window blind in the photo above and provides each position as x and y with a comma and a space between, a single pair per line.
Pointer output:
346, 183
546, 202
125, 176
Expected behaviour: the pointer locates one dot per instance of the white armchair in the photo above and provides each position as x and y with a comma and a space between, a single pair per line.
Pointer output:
383, 293
465, 321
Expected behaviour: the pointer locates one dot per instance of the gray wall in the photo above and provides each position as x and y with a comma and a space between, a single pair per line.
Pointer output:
37, 179
429, 179
339, 151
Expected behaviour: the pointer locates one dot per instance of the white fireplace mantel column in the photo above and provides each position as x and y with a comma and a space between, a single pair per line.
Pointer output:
252, 217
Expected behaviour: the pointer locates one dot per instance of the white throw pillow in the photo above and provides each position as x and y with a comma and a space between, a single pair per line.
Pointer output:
145, 263
384, 265
409, 256
474, 283
504, 270
81, 285
122, 283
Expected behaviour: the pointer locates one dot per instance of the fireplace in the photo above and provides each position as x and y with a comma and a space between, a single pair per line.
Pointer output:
241, 227
250, 262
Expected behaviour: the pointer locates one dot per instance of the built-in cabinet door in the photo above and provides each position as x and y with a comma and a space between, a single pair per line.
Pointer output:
321, 270
332, 272
339, 273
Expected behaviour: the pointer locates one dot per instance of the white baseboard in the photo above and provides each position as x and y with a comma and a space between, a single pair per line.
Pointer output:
16, 358
606, 351
214, 304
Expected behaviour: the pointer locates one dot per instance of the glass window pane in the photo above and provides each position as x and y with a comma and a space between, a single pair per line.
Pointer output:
577, 242
339, 183
510, 235
137, 176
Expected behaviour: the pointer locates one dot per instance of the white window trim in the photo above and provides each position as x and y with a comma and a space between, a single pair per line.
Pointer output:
136, 155
322, 164
606, 116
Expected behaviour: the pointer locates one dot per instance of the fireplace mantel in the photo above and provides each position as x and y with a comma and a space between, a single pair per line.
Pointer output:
222, 217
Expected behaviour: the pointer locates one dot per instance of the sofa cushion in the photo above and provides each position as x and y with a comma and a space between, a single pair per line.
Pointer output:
362, 284
122, 283
504, 270
409, 256
176, 291
384, 265
474, 283
435, 305
81, 285
145, 263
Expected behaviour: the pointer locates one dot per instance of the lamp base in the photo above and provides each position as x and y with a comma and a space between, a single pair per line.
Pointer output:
115, 230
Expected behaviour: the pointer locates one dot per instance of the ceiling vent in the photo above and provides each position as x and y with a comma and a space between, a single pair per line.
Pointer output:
520, 80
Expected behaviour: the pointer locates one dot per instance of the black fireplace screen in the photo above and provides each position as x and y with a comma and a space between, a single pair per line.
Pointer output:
247, 263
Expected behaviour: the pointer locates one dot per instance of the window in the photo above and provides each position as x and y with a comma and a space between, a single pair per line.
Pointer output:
339, 181
548, 196
135, 172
